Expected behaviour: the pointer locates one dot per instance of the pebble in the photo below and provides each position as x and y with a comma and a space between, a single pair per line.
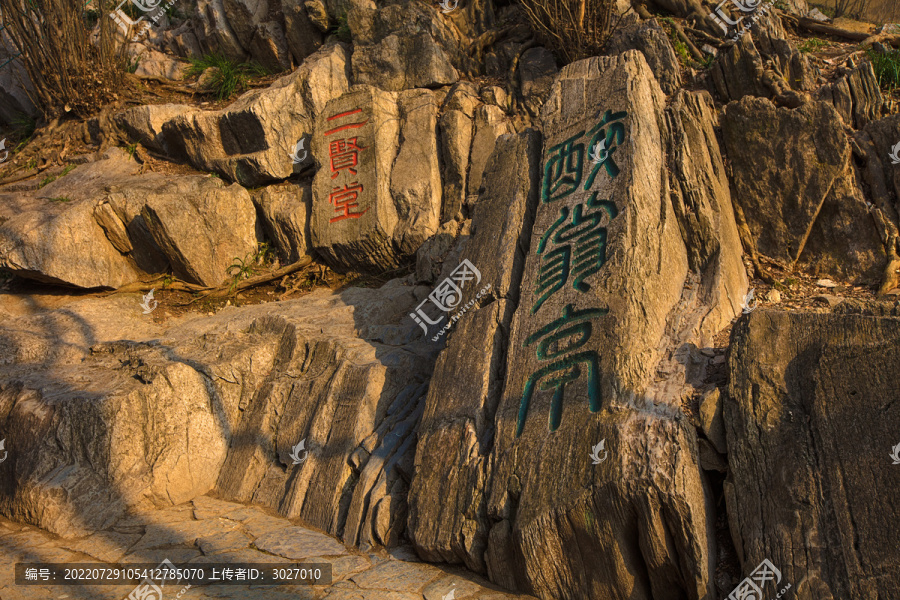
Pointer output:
826, 283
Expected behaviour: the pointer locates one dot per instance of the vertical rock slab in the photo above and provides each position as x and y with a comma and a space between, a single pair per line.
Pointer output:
353, 216
605, 270
810, 427
446, 520
701, 197
416, 175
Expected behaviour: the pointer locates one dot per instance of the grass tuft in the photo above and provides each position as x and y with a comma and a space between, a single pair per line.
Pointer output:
230, 76
887, 68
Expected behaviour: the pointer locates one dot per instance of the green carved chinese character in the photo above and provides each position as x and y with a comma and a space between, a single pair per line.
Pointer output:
560, 338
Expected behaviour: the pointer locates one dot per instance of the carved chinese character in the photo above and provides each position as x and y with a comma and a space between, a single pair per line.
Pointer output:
558, 342
344, 154
579, 248
564, 168
347, 126
345, 200
604, 143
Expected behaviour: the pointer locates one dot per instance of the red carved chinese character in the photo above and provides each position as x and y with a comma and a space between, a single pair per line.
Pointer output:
349, 126
344, 200
344, 155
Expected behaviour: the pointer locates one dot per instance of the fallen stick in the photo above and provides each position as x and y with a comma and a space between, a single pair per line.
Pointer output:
214, 292
229, 290
813, 25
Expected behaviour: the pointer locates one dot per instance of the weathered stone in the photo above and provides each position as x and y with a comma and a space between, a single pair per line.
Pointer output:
157, 64
456, 143
844, 241
445, 512
400, 47
537, 70
203, 235
353, 217
284, 210
784, 163
144, 124
541, 513
15, 87
490, 123
244, 16
251, 140
52, 234
856, 96
431, 257
810, 431
303, 38
415, 177
297, 543
650, 39
711, 420
701, 197
214, 32
269, 47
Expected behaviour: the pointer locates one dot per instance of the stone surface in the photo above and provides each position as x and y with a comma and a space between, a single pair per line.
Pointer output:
204, 234
284, 210
214, 32
53, 234
711, 420
650, 39
298, 543
784, 163
537, 70
303, 38
460, 409
416, 177
251, 140
379, 576
810, 429
490, 123
856, 96
402, 46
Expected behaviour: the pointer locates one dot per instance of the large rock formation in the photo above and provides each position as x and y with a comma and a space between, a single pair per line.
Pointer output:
572, 376
810, 427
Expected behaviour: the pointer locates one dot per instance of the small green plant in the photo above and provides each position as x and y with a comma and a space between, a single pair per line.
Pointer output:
167, 281
887, 68
342, 30
60, 199
244, 268
51, 178
131, 149
813, 44
229, 77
